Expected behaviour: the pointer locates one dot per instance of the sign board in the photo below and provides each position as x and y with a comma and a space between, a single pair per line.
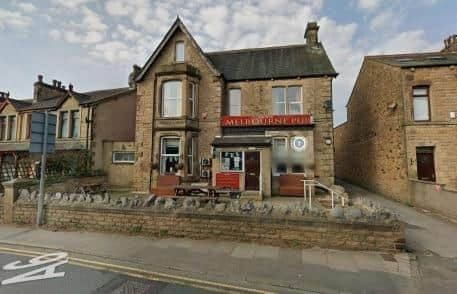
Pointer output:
267, 120
37, 132
228, 180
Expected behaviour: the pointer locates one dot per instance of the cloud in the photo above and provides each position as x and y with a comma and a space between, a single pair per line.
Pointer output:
90, 37
112, 51
70, 3
14, 20
405, 42
385, 19
26, 7
368, 5
127, 33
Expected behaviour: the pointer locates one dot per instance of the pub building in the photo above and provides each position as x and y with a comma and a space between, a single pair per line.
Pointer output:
257, 120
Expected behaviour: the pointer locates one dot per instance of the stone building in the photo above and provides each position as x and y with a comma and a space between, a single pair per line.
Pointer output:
102, 122
238, 118
400, 137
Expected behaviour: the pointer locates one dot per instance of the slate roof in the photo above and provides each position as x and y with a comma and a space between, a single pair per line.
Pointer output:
417, 59
100, 95
273, 62
49, 103
19, 104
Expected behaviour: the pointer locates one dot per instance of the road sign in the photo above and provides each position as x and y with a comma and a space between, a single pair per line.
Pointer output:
37, 131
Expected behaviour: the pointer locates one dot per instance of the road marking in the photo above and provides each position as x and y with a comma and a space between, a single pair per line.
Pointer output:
140, 273
51, 260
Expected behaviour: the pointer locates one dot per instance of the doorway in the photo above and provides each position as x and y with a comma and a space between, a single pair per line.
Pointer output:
425, 163
252, 171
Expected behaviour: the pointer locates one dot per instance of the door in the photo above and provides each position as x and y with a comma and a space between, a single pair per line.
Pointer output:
252, 170
425, 164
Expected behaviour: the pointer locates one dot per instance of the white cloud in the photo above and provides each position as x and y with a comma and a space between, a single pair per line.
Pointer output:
70, 3
405, 42
368, 5
14, 20
55, 34
127, 33
384, 19
113, 51
90, 37
26, 7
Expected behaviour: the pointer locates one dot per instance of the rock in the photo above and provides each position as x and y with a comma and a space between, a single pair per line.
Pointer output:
47, 197
336, 212
57, 196
234, 206
107, 198
24, 193
264, 208
149, 201
98, 198
65, 197
220, 207
33, 195
286, 210
188, 203
352, 213
72, 197
247, 207
124, 201
136, 201
159, 201
81, 198
169, 203
89, 199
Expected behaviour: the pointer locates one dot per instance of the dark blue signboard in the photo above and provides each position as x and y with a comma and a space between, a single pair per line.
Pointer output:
37, 132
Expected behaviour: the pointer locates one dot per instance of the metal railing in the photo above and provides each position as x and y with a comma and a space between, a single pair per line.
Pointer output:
308, 184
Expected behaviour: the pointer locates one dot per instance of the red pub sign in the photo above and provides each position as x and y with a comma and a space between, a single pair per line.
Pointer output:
267, 120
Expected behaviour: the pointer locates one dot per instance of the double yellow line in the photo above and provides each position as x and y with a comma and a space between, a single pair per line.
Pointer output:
140, 273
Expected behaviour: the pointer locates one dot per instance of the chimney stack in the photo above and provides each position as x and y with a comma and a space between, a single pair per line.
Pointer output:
54, 83
70, 87
59, 84
311, 33
40, 78
450, 44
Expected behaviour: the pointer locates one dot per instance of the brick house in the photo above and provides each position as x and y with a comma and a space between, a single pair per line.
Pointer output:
101, 121
241, 118
400, 137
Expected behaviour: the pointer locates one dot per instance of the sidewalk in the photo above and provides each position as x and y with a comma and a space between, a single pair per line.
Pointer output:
241, 264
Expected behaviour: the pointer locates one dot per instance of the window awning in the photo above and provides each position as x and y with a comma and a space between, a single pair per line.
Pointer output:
231, 141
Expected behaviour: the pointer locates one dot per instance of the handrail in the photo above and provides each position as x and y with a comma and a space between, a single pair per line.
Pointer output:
309, 183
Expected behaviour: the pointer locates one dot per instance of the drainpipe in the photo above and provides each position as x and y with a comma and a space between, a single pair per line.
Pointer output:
154, 101
88, 126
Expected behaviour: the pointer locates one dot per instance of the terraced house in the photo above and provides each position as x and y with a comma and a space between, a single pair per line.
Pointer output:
258, 119
99, 122
400, 137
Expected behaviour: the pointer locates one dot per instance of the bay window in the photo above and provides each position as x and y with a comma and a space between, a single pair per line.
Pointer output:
74, 124
234, 102
11, 127
169, 154
421, 103
171, 99
192, 97
190, 156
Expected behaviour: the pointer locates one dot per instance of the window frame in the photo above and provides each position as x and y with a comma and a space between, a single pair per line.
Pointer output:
177, 99
3, 127
190, 156
286, 101
61, 133
29, 126
72, 124
114, 161
230, 170
192, 98
11, 128
427, 95
229, 106
168, 155
275, 170
179, 42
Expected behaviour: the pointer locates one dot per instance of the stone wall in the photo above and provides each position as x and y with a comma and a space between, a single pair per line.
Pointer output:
434, 197
287, 232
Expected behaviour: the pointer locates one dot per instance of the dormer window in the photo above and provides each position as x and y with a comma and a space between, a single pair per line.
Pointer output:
179, 51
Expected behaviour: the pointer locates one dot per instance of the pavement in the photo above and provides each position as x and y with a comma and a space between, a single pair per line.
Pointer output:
81, 280
251, 268
431, 237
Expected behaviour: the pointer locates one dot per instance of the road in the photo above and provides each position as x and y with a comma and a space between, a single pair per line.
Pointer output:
83, 280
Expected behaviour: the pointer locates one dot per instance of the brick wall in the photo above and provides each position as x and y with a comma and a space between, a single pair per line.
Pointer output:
288, 232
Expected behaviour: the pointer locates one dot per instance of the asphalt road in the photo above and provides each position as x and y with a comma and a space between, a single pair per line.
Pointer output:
79, 280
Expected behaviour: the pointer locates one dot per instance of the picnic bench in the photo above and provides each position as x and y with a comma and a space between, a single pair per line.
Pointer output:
209, 191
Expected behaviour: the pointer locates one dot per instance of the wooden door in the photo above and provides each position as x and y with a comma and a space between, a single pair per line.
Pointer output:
425, 164
252, 171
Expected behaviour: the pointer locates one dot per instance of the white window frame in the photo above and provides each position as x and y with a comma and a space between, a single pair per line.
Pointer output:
114, 160
230, 102
421, 96
190, 156
275, 171
168, 155
178, 43
286, 99
229, 170
177, 99
192, 99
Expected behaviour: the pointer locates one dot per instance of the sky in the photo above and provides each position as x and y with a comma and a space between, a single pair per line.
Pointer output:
94, 43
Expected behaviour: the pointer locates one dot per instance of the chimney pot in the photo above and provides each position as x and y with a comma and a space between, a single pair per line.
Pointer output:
311, 33
59, 84
63, 87
40, 78
70, 87
7, 94
54, 83
450, 44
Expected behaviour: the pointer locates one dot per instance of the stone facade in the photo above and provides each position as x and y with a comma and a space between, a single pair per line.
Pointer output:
376, 147
211, 105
